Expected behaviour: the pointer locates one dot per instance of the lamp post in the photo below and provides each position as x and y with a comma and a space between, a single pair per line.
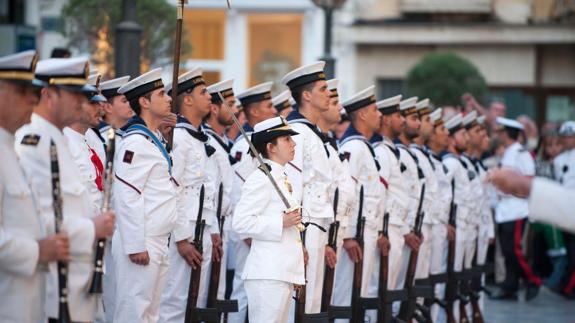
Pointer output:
328, 7
128, 34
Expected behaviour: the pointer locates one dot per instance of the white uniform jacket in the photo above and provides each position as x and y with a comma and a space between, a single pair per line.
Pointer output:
33, 148
364, 170
345, 186
276, 252
21, 280
564, 167
96, 141
391, 171
144, 193
511, 208
430, 206
457, 172
411, 177
193, 167
444, 191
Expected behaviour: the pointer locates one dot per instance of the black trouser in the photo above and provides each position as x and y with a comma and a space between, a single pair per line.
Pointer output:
516, 266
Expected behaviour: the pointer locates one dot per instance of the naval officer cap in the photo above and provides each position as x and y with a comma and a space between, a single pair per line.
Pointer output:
255, 94
110, 88
567, 129
508, 123
332, 87
69, 74
20, 67
360, 100
188, 81
423, 107
470, 120
304, 75
267, 130
435, 117
142, 84
408, 106
282, 101
225, 88
389, 105
481, 120
454, 124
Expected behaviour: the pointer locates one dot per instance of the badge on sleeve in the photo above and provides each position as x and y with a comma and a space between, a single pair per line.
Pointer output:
128, 156
238, 156
30, 140
345, 156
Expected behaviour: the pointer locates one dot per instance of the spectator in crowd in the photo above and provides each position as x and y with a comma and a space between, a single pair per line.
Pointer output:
530, 132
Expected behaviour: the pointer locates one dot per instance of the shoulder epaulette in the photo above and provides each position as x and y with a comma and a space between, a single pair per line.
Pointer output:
30, 140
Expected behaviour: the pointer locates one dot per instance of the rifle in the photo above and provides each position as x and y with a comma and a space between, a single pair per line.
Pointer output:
63, 310
193, 289
382, 314
356, 309
300, 294
329, 273
451, 286
96, 284
408, 307
216, 266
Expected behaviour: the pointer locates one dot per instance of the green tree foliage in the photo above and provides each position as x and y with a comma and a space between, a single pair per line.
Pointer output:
90, 27
444, 77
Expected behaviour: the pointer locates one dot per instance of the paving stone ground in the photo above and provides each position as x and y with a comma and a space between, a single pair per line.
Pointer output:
548, 307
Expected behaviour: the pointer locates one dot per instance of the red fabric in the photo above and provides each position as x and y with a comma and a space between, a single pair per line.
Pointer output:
99, 169
384, 182
569, 288
531, 277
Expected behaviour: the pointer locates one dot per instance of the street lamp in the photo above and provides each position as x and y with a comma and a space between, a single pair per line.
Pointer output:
328, 7
128, 34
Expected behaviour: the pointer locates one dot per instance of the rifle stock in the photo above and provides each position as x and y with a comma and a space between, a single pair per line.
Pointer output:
329, 273
356, 310
383, 275
194, 286
300, 297
216, 266
451, 285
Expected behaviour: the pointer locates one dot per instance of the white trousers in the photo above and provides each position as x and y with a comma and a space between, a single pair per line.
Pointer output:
438, 265
175, 295
464, 251
241, 251
315, 242
269, 300
424, 255
138, 288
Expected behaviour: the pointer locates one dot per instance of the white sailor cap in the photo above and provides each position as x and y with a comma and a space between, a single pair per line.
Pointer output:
423, 107
257, 93
110, 88
435, 117
470, 120
304, 75
407, 106
239, 105
567, 129
142, 84
454, 124
225, 88
187, 81
389, 105
509, 123
481, 120
269, 129
68, 73
19, 67
360, 100
332, 87
282, 100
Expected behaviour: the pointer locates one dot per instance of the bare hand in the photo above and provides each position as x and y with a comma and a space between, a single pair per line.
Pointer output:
54, 248
305, 256
412, 241
383, 245
491, 241
330, 257
248, 242
217, 249
189, 252
353, 249
140, 258
292, 218
104, 224
168, 123
509, 181
450, 232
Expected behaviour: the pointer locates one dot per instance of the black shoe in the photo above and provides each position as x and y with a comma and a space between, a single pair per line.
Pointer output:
531, 292
502, 294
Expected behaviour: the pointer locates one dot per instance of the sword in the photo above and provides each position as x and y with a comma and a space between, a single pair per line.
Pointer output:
262, 165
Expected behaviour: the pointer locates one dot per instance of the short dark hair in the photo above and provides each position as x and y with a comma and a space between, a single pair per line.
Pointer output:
60, 52
513, 133
297, 92
135, 103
